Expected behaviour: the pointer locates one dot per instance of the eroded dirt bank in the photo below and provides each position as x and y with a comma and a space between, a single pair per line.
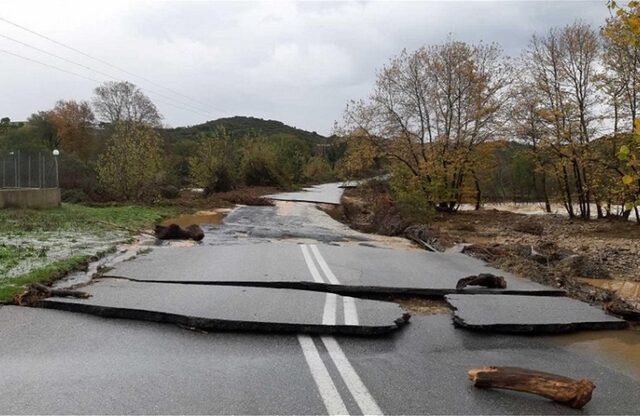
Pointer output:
596, 261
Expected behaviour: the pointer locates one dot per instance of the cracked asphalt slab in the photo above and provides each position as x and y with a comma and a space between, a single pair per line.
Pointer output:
528, 314
216, 308
60, 362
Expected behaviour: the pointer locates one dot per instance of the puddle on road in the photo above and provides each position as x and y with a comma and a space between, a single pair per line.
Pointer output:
620, 347
201, 217
624, 289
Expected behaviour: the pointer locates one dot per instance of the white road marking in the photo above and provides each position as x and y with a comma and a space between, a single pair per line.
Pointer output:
330, 307
352, 380
310, 265
359, 391
350, 311
328, 391
324, 266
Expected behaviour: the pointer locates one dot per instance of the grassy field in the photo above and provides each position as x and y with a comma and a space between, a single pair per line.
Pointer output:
81, 218
45, 245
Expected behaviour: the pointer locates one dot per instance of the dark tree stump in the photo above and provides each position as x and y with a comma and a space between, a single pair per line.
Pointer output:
175, 232
564, 390
483, 279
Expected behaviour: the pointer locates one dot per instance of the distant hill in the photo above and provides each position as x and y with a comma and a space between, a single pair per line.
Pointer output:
242, 126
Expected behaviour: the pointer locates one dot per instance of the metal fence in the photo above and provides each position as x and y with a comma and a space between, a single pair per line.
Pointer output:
28, 170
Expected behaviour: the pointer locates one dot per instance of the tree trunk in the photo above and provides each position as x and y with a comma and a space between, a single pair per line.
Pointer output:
564, 390
478, 193
567, 189
545, 193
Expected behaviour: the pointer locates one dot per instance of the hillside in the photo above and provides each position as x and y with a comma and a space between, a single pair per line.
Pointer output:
242, 126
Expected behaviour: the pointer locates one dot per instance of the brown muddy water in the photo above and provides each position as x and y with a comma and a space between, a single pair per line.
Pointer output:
621, 348
624, 289
201, 217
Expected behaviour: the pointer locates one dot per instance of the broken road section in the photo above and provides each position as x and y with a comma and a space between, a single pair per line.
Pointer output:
361, 270
528, 314
328, 193
220, 308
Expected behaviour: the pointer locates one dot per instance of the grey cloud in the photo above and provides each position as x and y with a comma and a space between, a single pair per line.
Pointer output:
296, 62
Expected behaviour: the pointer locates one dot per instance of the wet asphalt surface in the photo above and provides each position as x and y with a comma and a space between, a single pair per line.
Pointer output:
62, 362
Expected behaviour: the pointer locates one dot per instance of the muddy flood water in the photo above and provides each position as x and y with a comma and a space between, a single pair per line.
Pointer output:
619, 347
200, 218
624, 289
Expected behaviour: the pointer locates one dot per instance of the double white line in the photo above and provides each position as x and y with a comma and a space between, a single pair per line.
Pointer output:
327, 388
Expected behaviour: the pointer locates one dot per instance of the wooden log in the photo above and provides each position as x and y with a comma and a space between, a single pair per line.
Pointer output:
564, 390
483, 279
49, 291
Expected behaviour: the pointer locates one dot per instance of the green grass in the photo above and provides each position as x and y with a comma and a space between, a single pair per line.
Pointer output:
50, 273
71, 217
31, 223
11, 255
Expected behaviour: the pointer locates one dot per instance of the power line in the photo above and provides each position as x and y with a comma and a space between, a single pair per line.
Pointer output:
79, 75
206, 113
50, 66
104, 62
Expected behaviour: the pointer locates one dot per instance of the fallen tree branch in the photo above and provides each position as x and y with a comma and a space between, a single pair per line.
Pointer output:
483, 279
38, 291
560, 389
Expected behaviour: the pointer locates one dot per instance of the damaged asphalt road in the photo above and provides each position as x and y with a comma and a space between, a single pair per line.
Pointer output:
55, 361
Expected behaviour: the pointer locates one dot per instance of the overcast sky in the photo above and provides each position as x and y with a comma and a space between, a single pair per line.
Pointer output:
294, 62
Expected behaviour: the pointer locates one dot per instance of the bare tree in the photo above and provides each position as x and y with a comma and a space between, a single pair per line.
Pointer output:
562, 67
430, 108
529, 127
123, 102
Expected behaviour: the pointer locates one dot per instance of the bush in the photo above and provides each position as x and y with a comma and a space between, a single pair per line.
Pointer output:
259, 171
221, 179
409, 195
74, 196
131, 166
318, 170
169, 191
259, 166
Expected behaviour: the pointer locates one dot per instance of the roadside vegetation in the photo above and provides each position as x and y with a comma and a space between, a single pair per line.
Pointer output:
457, 123
458, 126
44, 245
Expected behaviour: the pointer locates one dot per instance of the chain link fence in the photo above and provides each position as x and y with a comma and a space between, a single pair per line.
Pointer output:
28, 170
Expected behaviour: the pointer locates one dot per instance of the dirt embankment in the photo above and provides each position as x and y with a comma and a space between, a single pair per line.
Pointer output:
596, 261
243, 196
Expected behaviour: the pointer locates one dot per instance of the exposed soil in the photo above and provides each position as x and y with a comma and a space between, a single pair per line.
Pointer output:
574, 255
243, 196
214, 216
420, 306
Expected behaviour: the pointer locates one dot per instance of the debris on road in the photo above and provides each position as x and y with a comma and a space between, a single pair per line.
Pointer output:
175, 232
37, 292
483, 279
560, 389
623, 309
528, 314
